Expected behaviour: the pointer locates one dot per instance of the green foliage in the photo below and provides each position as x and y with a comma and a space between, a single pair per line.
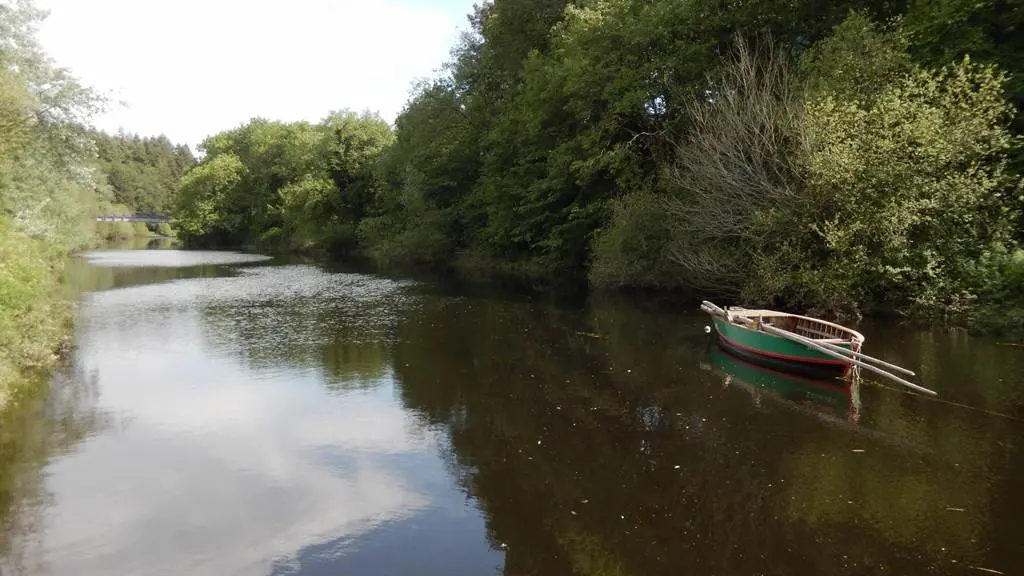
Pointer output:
140, 229
633, 249
847, 157
883, 186
996, 303
143, 172
423, 237
48, 195
32, 315
302, 207
942, 31
420, 211
113, 231
913, 186
294, 186
859, 60
551, 111
205, 198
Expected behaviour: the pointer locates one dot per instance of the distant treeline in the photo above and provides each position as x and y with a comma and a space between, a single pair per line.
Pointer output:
143, 172
838, 157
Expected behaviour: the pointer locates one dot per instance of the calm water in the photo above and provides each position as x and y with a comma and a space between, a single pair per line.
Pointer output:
230, 414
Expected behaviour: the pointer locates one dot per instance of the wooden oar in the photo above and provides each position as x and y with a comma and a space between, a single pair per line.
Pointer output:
816, 346
861, 356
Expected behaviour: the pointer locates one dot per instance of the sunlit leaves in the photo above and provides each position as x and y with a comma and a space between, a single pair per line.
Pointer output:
203, 194
284, 185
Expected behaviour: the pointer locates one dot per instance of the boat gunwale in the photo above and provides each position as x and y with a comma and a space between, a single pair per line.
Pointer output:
855, 336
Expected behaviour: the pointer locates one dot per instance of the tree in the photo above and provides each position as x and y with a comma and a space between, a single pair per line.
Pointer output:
737, 177
875, 188
142, 171
48, 195
203, 200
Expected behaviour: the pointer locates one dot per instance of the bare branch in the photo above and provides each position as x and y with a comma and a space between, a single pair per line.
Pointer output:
740, 165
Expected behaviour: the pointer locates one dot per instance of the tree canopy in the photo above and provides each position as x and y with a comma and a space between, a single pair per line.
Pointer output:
49, 193
142, 171
856, 154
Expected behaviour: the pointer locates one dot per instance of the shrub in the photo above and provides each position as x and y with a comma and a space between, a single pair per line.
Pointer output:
736, 182
423, 239
632, 250
33, 314
911, 192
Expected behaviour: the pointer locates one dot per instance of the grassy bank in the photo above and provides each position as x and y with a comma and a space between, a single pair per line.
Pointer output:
34, 316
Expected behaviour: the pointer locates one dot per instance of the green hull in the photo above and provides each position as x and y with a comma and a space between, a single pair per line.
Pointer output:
779, 352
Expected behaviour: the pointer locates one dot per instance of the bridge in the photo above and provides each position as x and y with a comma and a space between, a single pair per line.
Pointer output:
147, 218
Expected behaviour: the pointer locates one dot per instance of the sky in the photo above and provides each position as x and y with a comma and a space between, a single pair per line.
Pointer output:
191, 68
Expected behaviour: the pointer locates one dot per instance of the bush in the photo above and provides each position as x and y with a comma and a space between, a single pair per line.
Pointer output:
113, 231
735, 186
632, 250
912, 191
48, 196
33, 314
393, 239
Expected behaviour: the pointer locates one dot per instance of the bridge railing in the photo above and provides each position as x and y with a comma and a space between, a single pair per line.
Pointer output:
147, 218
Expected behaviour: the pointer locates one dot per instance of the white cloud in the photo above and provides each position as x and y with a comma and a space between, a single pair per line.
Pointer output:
211, 468
191, 68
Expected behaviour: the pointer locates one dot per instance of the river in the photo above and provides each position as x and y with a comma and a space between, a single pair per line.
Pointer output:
226, 413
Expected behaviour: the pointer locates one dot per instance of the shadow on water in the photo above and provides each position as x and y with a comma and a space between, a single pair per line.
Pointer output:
143, 243
597, 445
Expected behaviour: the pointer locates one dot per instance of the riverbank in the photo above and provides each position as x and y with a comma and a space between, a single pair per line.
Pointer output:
996, 310
35, 316
56, 175
114, 231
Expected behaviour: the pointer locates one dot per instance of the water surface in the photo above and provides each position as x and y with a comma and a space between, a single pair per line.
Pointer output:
229, 414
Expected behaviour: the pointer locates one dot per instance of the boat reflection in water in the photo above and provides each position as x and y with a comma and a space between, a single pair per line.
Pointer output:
833, 398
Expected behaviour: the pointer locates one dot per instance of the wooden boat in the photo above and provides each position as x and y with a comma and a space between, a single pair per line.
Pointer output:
742, 333
794, 343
